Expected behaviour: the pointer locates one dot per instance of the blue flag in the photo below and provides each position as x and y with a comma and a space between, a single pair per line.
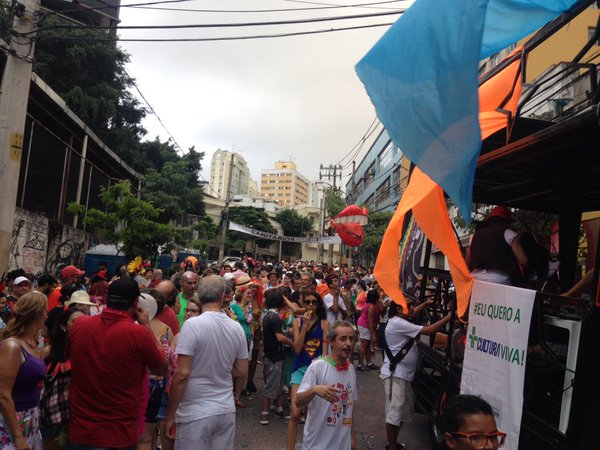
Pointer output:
422, 77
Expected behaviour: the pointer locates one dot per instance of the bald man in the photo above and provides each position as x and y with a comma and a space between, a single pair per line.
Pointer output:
189, 289
168, 315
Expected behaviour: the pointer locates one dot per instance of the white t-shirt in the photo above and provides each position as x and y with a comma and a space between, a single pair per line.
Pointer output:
214, 341
329, 425
331, 316
397, 332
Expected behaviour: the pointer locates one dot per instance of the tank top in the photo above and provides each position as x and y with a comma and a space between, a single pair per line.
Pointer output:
361, 300
28, 384
312, 348
363, 320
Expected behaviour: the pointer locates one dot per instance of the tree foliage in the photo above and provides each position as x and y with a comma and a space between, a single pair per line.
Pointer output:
89, 74
293, 224
334, 202
173, 186
131, 224
251, 217
374, 231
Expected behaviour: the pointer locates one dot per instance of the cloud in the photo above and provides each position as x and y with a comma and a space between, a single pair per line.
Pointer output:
292, 98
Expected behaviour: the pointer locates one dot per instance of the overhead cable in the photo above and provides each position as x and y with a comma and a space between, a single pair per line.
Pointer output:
213, 39
216, 25
372, 5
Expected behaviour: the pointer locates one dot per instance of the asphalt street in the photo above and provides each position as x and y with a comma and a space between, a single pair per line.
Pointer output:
369, 420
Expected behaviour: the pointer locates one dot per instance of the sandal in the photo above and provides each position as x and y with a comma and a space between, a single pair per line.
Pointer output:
240, 404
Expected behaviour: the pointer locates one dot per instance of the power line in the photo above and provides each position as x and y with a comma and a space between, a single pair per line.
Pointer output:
153, 111
252, 11
363, 141
213, 39
107, 6
358, 143
216, 25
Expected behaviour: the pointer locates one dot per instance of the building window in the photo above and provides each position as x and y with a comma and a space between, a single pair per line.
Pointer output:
385, 157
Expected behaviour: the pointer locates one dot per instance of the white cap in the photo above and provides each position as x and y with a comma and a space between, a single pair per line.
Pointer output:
20, 280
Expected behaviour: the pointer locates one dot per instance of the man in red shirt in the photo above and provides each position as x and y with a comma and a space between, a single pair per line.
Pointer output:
109, 356
68, 275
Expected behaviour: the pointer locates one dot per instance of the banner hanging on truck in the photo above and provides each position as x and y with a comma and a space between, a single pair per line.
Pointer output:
496, 352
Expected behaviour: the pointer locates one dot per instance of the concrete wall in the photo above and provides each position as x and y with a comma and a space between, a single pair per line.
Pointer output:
42, 246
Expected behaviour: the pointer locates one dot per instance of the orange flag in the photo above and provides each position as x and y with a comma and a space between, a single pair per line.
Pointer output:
426, 199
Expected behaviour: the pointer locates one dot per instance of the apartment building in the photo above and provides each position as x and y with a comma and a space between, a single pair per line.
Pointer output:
219, 174
285, 185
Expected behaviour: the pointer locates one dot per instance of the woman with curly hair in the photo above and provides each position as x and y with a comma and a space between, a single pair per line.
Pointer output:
21, 374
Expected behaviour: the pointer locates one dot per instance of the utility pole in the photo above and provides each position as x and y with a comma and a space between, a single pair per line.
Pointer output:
14, 95
353, 199
332, 171
225, 220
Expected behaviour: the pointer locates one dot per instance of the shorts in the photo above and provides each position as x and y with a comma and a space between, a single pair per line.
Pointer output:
164, 405
273, 378
298, 375
401, 407
210, 433
157, 390
364, 333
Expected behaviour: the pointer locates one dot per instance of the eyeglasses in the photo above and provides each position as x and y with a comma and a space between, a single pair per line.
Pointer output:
311, 302
192, 311
479, 441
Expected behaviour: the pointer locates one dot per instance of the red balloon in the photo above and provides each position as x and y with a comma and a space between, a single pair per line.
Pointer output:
351, 233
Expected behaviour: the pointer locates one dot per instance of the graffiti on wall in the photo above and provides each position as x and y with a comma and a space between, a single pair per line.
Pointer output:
41, 246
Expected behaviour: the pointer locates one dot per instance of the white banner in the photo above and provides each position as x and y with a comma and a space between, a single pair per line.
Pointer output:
274, 237
496, 351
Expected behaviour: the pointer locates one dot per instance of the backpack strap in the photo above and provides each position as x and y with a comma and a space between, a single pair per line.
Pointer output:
395, 359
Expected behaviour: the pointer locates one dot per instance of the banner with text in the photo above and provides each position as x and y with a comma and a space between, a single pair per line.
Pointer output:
274, 237
496, 351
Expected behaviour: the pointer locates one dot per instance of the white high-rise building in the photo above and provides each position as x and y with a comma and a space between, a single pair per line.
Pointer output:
219, 174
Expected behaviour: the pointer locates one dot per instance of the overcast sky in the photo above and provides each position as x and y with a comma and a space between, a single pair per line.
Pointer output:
286, 98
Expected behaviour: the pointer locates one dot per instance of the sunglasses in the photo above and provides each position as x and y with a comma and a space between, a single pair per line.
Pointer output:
311, 302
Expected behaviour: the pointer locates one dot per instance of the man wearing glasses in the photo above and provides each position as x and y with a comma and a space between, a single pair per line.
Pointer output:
470, 424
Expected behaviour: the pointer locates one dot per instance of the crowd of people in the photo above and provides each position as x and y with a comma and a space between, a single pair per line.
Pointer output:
140, 360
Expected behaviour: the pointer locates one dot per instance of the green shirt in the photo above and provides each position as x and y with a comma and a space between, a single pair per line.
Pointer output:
183, 305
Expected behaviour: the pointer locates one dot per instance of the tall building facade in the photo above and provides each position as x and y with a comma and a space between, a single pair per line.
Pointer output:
380, 178
285, 185
219, 174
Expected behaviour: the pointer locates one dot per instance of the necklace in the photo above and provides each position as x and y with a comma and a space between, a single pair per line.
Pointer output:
340, 367
32, 345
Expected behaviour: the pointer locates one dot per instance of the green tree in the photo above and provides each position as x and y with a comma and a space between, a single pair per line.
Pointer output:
293, 225
131, 224
88, 72
174, 186
205, 230
251, 217
374, 231
334, 202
